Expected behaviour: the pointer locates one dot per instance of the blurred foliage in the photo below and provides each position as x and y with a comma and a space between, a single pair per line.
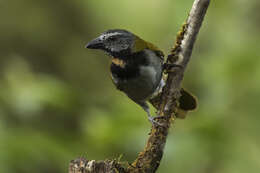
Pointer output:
57, 101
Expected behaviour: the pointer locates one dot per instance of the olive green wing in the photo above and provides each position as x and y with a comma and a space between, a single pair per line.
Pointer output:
140, 45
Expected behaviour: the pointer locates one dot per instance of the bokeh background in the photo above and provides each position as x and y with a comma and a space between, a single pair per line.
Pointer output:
57, 101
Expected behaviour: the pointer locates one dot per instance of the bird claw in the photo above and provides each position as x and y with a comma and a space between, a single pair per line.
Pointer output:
152, 119
167, 67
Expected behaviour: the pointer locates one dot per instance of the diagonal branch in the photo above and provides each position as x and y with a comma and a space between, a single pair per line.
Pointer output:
149, 160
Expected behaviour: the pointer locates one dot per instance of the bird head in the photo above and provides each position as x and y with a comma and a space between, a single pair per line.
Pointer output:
117, 42
121, 43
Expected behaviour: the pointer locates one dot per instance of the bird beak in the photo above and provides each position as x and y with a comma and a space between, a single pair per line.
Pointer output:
97, 43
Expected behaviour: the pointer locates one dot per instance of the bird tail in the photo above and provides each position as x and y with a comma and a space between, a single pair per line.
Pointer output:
187, 102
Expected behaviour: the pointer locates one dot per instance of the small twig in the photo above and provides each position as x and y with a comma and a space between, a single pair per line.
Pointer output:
149, 160
81, 165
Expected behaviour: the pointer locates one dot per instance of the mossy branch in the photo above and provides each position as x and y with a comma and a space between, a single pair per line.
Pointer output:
149, 159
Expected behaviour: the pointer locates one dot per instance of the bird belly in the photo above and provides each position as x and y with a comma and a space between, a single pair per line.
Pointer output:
141, 87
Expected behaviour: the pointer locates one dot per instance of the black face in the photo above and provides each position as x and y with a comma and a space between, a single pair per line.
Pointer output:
117, 43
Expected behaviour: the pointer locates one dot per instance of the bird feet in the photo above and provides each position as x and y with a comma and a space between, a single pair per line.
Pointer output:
152, 119
167, 67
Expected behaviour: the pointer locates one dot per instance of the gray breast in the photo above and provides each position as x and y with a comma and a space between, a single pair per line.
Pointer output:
142, 87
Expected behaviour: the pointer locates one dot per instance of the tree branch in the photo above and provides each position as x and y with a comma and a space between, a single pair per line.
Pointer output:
149, 159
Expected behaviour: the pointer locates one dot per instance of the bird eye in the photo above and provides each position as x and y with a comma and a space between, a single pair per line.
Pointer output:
112, 38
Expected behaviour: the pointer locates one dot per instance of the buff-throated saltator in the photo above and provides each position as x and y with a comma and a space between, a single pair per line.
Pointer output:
137, 68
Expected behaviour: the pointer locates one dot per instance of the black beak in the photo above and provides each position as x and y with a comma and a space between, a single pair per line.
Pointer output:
97, 43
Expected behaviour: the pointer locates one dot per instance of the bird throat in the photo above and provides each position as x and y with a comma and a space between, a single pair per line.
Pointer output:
119, 62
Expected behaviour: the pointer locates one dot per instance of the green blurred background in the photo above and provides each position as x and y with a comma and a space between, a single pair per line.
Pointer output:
57, 101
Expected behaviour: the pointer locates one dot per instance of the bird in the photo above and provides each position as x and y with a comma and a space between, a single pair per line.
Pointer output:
137, 68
